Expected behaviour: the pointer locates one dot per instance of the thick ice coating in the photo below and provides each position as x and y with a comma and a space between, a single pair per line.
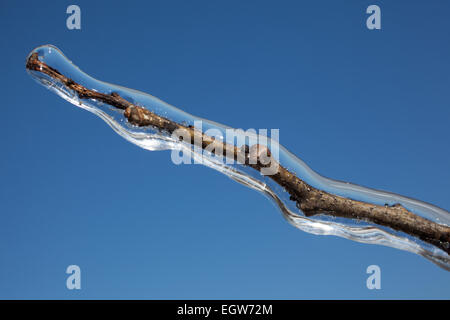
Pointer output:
135, 116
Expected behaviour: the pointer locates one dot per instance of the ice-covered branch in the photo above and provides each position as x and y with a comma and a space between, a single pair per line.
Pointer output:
309, 199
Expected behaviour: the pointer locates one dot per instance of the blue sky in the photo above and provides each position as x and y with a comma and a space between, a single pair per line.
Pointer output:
370, 107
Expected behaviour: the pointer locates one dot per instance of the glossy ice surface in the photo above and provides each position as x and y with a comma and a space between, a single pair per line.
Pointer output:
151, 139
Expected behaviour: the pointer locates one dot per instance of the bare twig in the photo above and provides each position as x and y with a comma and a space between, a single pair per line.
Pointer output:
309, 200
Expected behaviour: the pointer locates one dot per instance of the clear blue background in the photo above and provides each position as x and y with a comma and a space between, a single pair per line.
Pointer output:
370, 107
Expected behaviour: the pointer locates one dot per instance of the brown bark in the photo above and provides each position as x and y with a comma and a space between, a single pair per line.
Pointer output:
309, 200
